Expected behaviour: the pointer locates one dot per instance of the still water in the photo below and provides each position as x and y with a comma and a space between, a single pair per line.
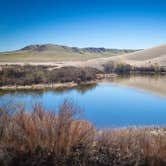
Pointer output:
121, 102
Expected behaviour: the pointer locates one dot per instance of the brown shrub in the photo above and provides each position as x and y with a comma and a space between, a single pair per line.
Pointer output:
42, 138
132, 146
28, 75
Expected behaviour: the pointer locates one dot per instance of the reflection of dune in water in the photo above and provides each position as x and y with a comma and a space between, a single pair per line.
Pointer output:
153, 84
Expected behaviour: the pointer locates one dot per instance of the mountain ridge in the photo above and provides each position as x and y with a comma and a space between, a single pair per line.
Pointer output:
41, 47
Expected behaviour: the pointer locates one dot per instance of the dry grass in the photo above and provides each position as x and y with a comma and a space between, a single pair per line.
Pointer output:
133, 146
42, 138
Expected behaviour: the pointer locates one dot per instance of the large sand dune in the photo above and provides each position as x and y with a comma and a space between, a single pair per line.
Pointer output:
151, 56
146, 57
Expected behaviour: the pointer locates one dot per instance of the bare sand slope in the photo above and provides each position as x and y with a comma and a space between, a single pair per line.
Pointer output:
146, 57
150, 56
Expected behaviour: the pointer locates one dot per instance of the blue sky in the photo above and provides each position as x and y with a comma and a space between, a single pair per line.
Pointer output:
82, 23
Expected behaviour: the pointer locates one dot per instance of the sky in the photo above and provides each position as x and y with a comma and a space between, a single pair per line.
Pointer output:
133, 24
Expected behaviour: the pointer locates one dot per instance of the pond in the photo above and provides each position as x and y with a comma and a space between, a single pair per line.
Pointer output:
118, 102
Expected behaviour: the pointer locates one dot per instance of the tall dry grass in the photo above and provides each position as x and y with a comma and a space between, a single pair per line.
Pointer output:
132, 147
43, 137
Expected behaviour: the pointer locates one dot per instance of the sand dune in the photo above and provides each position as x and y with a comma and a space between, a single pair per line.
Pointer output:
151, 56
146, 57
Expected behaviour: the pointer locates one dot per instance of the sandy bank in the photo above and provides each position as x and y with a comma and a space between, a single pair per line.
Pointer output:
45, 86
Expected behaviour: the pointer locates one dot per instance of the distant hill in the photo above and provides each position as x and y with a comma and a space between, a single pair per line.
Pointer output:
60, 48
54, 53
91, 56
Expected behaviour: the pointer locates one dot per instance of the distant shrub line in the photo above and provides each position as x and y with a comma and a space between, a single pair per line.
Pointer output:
121, 68
28, 75
41, 137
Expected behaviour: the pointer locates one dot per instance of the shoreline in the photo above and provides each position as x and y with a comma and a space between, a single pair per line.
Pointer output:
46, 86
72, 84
100, 77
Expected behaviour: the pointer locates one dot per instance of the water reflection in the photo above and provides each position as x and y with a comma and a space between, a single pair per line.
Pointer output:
154, 84
82, 88
112, 103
